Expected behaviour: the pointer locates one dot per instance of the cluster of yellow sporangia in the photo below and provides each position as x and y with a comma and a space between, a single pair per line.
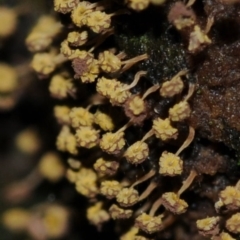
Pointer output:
185, 20
92, 127
229, 199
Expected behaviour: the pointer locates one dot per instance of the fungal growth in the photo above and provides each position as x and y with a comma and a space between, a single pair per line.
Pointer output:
126, 94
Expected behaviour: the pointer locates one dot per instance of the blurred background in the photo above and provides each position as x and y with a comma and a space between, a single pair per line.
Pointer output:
25, 115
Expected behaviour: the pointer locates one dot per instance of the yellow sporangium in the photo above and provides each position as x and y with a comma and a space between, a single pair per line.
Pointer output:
81, 62
71, 175
65, 50
87, 137
173, 203
118, 96
230, 197
233, 223
208, 226
105, 86
16, 219
60, 87
51, 167
66, 141
61, 113
8, 78
106, 168
9, 18
43, 34
110, 189
43, 64
119, 213
80, 12
112, 143
180, 111
163, 129
171, 87
148, 223
137, 105
104, 121
81, 117
55, 221
127, 197
86, 182
74, 163
77, 38
97, 215
28, 141
170, 164
92, 73
137, 153
98, 21
109, 62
